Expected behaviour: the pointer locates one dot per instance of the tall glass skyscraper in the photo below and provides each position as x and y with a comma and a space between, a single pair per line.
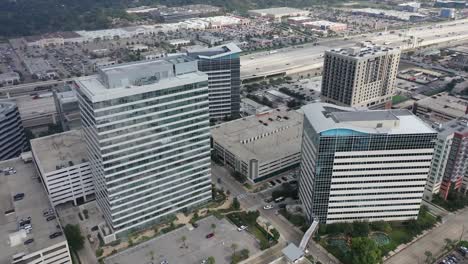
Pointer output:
222, 64
363, 165
12, 138
146, 126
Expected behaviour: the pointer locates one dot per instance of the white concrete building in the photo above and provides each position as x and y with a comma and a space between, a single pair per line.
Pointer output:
360, 165
260, 146
48, 244
62, 163
146, 127
363, 77
449, 168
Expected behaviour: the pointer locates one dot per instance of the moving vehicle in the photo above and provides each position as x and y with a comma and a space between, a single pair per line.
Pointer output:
268, 207
29, 241
210, 235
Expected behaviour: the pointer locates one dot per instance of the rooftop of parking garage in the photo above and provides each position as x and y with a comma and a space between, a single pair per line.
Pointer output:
33, 204
59, 150
266, 136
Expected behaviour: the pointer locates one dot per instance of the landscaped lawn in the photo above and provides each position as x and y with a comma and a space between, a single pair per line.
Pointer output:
339, 234
398, 99
250, 220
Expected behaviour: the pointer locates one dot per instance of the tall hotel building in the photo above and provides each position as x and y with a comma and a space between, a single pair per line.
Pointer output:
449, 169
360, 77
363, 165
222, 64
146, 126
12, 138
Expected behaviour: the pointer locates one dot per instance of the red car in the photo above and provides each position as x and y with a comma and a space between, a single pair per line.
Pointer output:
210, 235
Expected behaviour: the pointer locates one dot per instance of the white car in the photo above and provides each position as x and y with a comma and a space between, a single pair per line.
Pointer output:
268, 207
241, 228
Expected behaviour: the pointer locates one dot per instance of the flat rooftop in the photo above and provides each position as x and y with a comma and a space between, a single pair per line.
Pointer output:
279, 11
359, 52
459, 125
265, 136
139, 77
327, 117
34, 203
445, 103
57, 151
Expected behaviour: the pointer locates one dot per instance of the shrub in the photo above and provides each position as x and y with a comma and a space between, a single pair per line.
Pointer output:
99, 252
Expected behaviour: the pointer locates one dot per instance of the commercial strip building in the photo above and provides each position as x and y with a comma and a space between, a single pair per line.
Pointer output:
146, 127
222, 65
360, 77
277, 13
43, 249
9, 78
449, 168
325, 25
62, 163
363, 165
441, 107
260, 146
389, 14
12, 138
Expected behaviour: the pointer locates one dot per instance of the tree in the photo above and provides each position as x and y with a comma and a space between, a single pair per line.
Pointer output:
235, 204
365, 251
210, 260
275, 233
234, 247
448, 244
74, 238
360, 229
428, 255
183, 239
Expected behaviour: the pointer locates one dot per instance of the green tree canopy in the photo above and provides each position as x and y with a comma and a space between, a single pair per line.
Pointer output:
365, 251
74, 238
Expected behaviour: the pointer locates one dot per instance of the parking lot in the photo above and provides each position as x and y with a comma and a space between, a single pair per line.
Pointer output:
455, 257
171, 248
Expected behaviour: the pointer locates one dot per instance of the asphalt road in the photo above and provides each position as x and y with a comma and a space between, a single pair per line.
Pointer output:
250, 201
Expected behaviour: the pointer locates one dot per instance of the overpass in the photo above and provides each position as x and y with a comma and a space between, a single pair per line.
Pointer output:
309, 57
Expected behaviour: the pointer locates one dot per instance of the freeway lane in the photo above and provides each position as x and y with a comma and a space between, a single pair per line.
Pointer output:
292, 60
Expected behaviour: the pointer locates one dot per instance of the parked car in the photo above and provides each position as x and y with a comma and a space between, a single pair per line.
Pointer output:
50, 218
279, 199
29, 241
18, 196
195, 225
54, 235
268, 207
94, 228
210, 235
241, 228
268, 200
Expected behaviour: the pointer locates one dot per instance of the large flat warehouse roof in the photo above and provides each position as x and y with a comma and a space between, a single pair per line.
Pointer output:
33, 204
59, 150
265, 137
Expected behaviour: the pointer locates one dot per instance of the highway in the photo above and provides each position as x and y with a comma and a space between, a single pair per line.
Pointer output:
306, 57
309, 56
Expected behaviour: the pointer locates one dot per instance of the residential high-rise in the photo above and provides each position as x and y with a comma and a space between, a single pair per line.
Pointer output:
12, 137
363, 165
146, 126
222, 64
449, 168
360, 77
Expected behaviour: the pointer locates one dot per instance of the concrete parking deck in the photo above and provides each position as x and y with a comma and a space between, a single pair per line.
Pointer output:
171, 248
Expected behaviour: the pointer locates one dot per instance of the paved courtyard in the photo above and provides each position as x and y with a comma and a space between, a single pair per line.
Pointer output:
170, 246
